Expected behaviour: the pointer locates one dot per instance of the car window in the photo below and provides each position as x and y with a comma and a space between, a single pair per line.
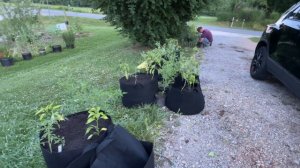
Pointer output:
295, 15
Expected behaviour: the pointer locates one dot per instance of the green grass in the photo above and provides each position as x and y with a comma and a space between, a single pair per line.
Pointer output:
213, 21
66, 8
78, 79
255, 39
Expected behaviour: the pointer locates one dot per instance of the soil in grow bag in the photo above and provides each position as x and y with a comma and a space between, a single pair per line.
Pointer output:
56, 48
7, 62
73, 130
27, 56
139, 89
119, 149
183, 99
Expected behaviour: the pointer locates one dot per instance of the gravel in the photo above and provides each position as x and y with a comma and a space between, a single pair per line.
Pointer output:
246, 123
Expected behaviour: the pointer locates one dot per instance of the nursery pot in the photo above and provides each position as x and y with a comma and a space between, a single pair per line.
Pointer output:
27, 56
70, 46
183, 99
73, 130
139, 89
56, 48
42, 52
7, 62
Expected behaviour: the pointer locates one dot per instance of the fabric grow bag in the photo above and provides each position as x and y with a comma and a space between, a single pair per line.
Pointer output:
187, 101
6, 62
138, 90
119, 149
27, 56
56, 48
75, 137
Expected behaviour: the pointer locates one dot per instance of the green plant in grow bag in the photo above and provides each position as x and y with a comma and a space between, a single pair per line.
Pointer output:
189, 70
153, 59
125, 69
50, 117
94, 115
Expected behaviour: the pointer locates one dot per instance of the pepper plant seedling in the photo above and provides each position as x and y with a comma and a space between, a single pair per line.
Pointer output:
50, 117
93, 120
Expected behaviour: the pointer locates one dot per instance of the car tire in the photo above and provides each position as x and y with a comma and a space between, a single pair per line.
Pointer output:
258, 69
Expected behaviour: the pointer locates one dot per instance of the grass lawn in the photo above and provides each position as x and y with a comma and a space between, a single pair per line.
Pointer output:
71, 8
78, 79
66, 8
213, 21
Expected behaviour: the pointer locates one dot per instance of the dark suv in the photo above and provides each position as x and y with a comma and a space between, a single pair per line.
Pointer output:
278, 51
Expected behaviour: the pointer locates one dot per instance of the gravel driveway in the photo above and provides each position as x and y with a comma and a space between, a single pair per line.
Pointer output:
246, 123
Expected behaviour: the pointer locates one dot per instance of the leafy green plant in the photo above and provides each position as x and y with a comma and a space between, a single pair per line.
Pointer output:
148, 21
189, 70
170, 67
125, 69
49, 118
94, 115
18, 17
69, 38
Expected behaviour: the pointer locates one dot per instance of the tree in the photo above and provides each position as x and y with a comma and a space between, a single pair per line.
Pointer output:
279, 5
148, 21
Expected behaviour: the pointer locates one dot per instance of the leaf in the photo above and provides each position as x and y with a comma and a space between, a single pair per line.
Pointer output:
103, 129
212, 154
90, 136
88, 130
90, 120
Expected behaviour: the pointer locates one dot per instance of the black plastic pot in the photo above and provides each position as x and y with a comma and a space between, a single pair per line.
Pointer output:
185, 100
70, 46
42, 52
67, 156
56, 48
6, 62
139, 89
27, 56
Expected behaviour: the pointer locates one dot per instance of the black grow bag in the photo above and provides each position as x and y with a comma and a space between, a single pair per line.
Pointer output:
185, 100
64, 158
27, 56
138, 90
118, 149
56, 48
6, 62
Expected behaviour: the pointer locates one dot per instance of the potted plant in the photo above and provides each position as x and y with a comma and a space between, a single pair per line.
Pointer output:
82, 139
64, 139
6, 59
139, 88
69, 38
185, 94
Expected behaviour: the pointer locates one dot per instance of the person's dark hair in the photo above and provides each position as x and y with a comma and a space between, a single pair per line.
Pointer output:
199, 28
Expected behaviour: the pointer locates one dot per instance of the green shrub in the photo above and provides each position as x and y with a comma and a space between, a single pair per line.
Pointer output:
189, 37
224, 16
148, 21
69, 38
250, 14
18, 18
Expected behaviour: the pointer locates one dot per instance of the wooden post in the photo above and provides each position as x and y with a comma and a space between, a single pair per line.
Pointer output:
232, 22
